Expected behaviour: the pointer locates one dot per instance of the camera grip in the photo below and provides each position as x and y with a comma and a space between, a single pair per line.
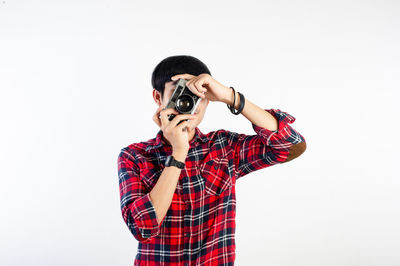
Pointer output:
171, 116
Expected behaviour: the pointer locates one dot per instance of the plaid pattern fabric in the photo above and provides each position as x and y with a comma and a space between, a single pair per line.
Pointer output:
199, 227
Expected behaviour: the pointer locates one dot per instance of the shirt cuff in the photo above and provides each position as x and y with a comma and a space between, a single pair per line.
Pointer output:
144, 213
283, 119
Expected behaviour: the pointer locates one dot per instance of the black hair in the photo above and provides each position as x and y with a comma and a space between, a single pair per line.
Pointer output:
174, 65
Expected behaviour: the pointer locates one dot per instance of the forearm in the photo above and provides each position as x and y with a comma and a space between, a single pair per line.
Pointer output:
163, 191
253, 113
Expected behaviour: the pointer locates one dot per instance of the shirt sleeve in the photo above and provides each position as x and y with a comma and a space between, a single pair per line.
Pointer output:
266, 147
137, 209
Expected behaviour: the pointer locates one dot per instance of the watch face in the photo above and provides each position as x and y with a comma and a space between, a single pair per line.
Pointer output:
168, 161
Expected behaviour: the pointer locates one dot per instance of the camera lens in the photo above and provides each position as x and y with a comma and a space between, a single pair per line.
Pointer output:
184, 103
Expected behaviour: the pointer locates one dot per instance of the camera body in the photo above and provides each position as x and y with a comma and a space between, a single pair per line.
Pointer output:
183, 100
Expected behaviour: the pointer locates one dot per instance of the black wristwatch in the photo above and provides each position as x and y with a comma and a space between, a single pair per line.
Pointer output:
170, 161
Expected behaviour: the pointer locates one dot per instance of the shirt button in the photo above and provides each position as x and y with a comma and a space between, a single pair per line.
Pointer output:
187, 234
215, 167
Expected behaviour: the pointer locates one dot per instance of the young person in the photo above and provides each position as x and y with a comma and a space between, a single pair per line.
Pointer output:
184, 213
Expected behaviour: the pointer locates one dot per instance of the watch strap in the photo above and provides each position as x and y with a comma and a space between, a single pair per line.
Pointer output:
171, 161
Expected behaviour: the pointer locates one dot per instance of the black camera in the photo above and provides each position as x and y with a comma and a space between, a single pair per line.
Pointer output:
183, 100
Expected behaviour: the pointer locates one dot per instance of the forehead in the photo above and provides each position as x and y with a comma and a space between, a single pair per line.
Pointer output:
170, 84
169, 89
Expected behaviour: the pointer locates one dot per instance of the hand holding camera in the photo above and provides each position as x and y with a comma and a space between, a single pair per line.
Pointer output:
183, 99
173, 119
174, 129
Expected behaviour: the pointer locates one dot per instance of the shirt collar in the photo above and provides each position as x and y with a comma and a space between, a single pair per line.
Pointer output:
157, 141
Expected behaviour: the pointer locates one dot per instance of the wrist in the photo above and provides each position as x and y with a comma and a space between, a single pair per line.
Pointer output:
237, 101
229, 99
180, 155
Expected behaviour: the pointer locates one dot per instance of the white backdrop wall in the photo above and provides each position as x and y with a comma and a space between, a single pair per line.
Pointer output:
75, 89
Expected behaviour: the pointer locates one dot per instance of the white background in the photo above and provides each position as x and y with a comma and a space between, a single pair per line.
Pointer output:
75, 89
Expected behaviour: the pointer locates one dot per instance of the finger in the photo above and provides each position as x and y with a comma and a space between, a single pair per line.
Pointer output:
168, 111
178, 118
157, 120
159, 110
193, 89
164, 115
182, 125
199, 86
182, 76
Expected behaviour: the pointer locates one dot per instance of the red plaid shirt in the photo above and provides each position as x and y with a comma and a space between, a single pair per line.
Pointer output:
199, 227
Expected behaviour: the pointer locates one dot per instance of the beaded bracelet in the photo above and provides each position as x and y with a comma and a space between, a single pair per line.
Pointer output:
241, 104
231, 107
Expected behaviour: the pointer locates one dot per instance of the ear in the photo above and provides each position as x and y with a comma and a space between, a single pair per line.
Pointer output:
157, 97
